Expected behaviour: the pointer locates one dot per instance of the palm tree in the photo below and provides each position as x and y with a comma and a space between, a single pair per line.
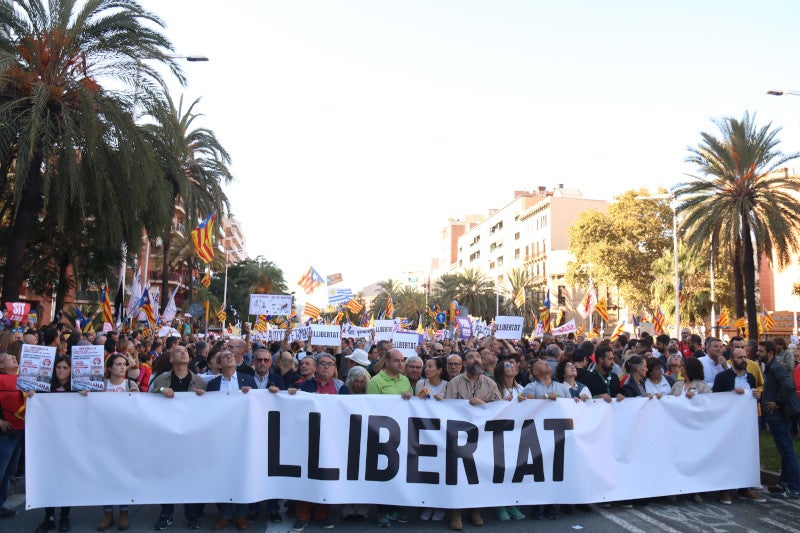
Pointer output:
409, 303
73, 144
386, 288
193, 164
739, 197
471, 288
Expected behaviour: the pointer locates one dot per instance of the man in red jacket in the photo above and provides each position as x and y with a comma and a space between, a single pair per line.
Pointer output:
12, 427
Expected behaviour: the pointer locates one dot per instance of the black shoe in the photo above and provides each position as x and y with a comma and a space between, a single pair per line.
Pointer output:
193, 523
275, 517
163, 523
49, 524
64, 525
251, 517
7, 513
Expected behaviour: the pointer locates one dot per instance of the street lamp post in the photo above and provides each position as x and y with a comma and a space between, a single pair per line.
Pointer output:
674, 253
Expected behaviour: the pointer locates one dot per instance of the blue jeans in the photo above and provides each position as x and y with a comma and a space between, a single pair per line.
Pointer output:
10, 448
780, 428
228, 510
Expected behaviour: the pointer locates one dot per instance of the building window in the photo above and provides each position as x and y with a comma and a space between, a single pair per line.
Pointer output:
491, 265
516, 236
516, 253
500, 261
562, 295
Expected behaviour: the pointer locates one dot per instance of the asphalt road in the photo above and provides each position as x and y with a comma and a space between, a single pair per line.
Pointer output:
651, 516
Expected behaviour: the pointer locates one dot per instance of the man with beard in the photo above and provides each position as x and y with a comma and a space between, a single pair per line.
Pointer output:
478, 388
602, 382
780, 404
738, 379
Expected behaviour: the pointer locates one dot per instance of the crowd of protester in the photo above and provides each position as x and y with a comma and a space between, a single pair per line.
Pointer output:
475, 370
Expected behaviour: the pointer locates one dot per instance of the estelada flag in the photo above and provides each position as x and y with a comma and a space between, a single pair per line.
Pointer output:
602, 309
202, 237
108, 315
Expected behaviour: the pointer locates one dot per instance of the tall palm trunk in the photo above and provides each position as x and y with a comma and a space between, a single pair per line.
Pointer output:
749, 271
30, 204
167, 245
738, 279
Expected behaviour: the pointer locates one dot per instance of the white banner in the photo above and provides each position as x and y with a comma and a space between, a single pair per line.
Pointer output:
566, 329
326, 335
270, 304
382, 449
509, 327
406, 343
384, 330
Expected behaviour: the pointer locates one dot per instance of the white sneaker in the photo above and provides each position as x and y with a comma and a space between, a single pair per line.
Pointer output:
438, 515
426, 514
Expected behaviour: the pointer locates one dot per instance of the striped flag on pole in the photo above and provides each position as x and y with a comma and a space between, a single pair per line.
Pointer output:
310, 280
312, 311
202, 237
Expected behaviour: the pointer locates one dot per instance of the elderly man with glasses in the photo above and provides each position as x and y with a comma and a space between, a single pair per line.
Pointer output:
323, 382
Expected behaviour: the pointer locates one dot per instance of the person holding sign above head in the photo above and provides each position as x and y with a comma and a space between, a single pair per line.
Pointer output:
391, 380
478, 389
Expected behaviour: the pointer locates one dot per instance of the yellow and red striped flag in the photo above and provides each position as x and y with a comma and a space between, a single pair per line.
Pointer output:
202, 237
389, 308
740, 323
658, 320
767, 321
312, 311
108, 316
206, 281
602, 309
353, 306
310, 280
221, 316
519, 299
724, 319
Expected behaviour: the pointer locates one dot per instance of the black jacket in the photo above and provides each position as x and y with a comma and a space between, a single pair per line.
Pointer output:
779, 388
599, 385
724, 381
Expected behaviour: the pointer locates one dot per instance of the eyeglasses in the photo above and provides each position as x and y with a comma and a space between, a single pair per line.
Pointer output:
259, 360
325, 363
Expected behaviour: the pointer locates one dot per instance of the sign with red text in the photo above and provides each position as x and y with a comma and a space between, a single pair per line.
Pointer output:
36, 367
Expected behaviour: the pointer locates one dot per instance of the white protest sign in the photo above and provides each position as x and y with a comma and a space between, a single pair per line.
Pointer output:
271, 304
350, 331
509, 327
297, 334
326, 335
384, 330
87, 368
566, 329
36, 367
406, 343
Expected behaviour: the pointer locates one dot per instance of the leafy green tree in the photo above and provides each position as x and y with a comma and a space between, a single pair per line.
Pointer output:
740, 201
72, 144
617, 248
385, 289
409, 303
252, 276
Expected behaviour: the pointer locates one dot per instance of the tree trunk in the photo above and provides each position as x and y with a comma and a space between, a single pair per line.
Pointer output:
738, 279
63, 285
749, 271
30, 205
167, 244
